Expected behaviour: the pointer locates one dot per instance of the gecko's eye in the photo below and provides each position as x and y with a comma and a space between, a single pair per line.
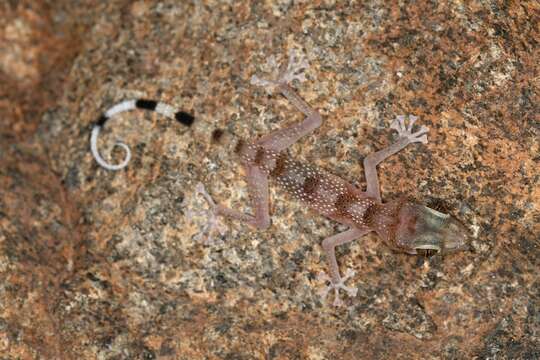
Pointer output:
427, 252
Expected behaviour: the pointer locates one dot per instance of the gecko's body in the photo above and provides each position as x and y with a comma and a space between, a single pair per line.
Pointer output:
323, 192
403, 225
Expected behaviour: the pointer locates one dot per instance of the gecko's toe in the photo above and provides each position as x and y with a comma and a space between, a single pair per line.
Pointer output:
399, 124
323, 277
338, 302
423, 139
268, 85
213, 226
350, 291
405, 130
336, 286
412, 120
295, 68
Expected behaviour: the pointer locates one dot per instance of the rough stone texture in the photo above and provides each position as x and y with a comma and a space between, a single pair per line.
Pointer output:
105, 265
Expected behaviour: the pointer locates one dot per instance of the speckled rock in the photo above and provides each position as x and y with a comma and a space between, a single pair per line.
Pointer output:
111, 265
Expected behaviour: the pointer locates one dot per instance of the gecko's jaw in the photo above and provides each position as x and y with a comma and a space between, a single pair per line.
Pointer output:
427, 245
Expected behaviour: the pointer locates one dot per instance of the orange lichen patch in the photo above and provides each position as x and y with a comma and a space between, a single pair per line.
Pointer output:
510, 156
140, 8
42, 232
19, 58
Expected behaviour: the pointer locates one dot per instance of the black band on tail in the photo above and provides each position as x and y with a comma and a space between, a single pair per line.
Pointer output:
146, 104
184, 118
101, 121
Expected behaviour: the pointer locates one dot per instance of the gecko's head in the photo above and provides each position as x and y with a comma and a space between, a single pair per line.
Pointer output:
421, 229
418, 229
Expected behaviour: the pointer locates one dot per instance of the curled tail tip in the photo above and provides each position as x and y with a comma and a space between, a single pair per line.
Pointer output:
100, 160
114, 167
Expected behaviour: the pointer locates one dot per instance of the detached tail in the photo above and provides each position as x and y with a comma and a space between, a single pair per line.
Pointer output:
127, 105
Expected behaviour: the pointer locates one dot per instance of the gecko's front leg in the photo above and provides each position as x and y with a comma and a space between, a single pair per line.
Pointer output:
336, 281
406, 137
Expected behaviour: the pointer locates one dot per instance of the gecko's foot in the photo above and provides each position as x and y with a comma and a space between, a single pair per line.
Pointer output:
213, 225
293, 71
405, 131
351, 291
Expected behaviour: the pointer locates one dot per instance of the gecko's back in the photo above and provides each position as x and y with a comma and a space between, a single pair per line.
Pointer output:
322, 191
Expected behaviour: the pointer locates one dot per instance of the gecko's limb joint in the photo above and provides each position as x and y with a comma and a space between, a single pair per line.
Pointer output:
351, 291
295, 70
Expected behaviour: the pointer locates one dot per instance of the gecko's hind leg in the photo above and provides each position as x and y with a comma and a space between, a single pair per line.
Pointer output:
257, 181
336, 281
283, 138
258, 189
277, 141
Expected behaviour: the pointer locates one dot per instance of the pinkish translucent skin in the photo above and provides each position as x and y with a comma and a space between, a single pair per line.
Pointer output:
418, 227
402, 225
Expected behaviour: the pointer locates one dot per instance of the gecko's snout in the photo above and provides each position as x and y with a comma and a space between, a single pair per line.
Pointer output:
455, 236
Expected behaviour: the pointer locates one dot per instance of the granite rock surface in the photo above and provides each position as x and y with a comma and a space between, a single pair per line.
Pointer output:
97, 264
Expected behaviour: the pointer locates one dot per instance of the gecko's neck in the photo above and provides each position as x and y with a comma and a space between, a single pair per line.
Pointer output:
385, 218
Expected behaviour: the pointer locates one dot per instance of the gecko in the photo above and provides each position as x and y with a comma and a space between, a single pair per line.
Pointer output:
402, 224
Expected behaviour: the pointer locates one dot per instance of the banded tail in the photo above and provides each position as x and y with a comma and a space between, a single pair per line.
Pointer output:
127, 105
